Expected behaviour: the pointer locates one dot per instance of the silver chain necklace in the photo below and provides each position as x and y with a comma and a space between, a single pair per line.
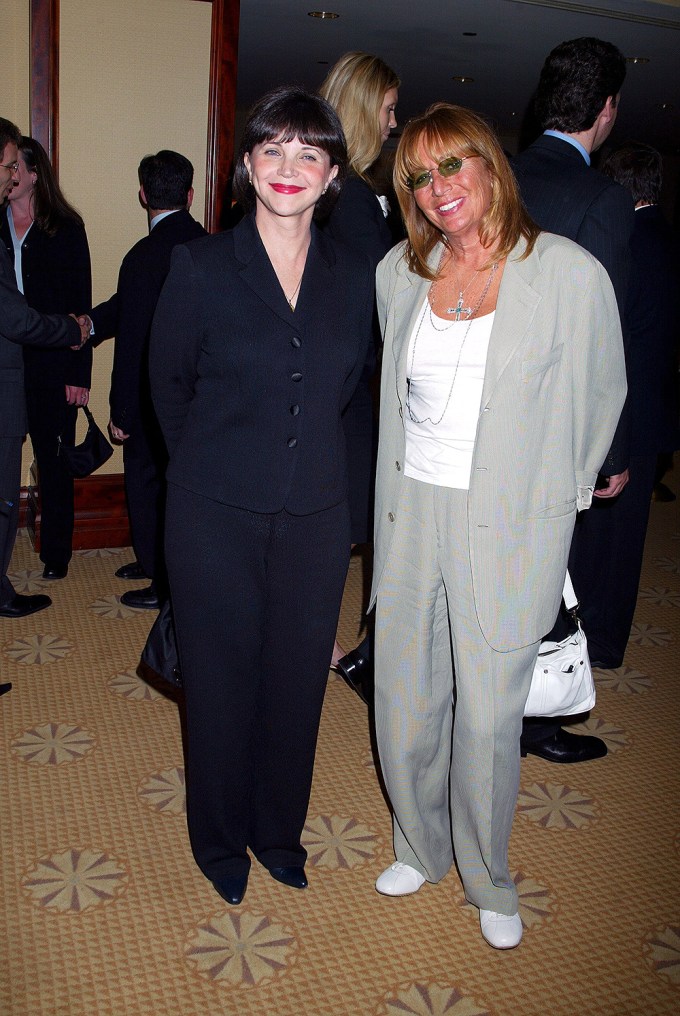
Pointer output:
471, 317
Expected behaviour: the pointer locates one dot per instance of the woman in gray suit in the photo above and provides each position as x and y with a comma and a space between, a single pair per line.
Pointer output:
500, 345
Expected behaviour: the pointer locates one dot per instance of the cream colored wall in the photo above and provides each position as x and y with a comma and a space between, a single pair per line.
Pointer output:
133, 79
14, 62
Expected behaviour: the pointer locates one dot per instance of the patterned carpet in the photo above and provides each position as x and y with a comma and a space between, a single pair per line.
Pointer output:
107, 915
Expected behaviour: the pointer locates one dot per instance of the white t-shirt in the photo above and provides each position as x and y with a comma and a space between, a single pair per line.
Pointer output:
439, 448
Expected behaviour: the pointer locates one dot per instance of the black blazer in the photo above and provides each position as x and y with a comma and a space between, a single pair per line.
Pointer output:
357, 220
20, 325
129, 313
249, 393
57, 279
566, 196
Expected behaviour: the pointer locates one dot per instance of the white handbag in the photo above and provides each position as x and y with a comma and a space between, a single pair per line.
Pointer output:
562, 683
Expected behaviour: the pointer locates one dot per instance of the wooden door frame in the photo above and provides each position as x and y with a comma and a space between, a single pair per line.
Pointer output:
44, 93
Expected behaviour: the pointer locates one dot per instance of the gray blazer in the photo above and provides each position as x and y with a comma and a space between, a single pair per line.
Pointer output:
554, 388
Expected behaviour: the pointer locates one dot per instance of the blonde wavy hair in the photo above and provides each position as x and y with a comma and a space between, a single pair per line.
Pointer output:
445, 130
355, 87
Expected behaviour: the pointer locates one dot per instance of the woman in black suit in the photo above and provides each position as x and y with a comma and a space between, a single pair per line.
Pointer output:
363, 90
45, 237
258, 342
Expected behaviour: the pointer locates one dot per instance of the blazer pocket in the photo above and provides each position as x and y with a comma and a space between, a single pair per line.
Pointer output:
532, 365
556, 511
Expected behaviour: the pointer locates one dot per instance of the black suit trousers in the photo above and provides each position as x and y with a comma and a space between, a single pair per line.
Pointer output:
49, 415
606, 560
256, 599
144, 464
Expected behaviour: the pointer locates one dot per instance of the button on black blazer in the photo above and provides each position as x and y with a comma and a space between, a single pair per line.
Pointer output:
249, 393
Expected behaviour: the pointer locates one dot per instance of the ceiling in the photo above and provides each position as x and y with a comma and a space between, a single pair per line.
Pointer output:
427, 43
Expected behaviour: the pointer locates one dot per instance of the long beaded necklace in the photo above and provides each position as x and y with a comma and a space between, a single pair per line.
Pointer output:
470, 319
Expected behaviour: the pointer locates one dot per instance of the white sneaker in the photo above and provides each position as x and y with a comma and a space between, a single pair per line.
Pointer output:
500, 930
399, 880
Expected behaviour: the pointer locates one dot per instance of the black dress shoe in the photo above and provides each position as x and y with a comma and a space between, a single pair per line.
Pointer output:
22, 606
565, 747
133, 570
292, 876
55, 571
357, 671
232, 888
142, 599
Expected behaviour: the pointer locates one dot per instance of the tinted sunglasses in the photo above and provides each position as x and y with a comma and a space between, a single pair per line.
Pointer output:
447, 167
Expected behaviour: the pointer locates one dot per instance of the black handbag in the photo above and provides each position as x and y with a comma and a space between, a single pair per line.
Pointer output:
160, 652
81, 460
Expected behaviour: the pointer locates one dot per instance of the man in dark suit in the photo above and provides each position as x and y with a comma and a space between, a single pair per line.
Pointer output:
166, 192
19, 326
652, 315
576, 105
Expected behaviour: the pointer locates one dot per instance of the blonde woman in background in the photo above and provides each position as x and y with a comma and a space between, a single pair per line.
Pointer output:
364, 92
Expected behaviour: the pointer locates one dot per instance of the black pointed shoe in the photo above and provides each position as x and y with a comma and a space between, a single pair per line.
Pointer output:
133, 570
55, 571
292, 875
232, 888
564, 746
22, 606
142, 599
357, 670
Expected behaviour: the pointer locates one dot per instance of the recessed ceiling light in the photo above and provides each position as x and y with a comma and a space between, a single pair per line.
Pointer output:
463, 79
637, 59
324, 15
667, 106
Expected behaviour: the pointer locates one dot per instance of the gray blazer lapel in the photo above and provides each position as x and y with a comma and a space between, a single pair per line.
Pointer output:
408, 301
517, 303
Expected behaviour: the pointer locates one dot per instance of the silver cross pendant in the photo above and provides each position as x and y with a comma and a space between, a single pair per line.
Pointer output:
459, 309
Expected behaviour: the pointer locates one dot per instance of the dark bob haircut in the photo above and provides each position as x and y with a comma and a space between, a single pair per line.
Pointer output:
284, 114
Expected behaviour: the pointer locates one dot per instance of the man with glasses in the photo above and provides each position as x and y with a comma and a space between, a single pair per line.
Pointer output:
576, 105
19, 326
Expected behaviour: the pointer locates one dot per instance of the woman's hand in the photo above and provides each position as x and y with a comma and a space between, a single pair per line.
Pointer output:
116, 433
76, 396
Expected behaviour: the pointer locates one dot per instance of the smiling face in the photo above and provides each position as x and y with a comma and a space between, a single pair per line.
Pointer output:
288, 177
25, 180
455, 205
386, 117
8, 177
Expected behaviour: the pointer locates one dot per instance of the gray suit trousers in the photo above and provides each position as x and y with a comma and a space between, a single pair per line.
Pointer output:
449, 748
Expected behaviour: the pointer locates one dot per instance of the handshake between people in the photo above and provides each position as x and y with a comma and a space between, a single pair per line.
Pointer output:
85, 325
